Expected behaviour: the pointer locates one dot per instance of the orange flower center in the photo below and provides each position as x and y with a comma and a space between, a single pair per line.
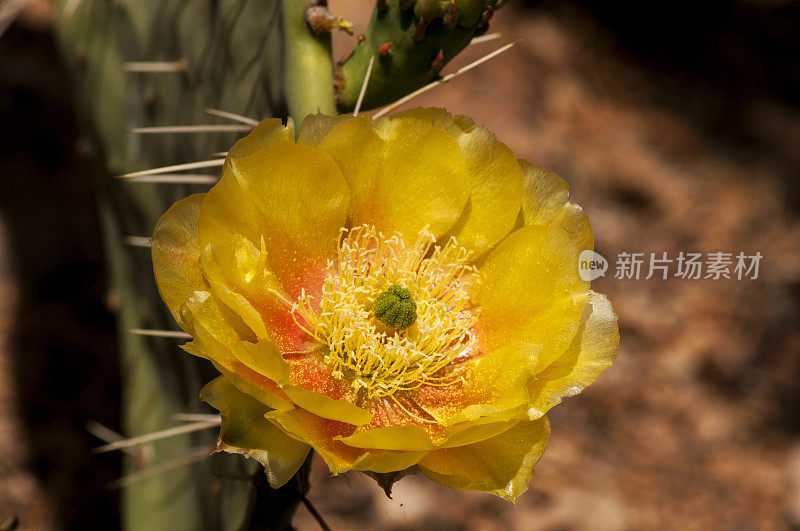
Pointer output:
377, 358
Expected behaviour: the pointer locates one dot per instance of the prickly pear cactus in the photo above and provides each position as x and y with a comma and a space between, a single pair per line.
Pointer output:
139, 63
413, 40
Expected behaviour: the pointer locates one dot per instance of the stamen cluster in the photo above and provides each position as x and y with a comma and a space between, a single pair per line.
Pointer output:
376, 358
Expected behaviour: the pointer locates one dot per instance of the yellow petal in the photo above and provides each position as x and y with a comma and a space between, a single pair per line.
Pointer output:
591, 352
267, 133
214, 274
316, 126
253, 367
262, 357
494, 388
385, 462
290, 195
499, 380
245, 431
392, 430
320, 433
478, 430
404, 174
313, 387
546, 202
202, 311
253, 384
326, 407
427, 436
237, 272
531, 292
496, 180
243, 378
409, 437
324, 434
176, 253
502, 465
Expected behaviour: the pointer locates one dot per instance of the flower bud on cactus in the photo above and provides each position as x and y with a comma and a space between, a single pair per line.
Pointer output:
320, 20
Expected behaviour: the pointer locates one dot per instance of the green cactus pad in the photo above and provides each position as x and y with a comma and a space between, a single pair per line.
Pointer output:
444, 30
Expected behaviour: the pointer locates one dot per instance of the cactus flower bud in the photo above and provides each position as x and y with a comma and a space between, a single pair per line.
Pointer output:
320, 20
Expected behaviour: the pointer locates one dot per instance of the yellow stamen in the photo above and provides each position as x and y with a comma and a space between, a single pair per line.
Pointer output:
382, 360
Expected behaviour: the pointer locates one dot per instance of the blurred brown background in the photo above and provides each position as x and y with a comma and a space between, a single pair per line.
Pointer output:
677, 126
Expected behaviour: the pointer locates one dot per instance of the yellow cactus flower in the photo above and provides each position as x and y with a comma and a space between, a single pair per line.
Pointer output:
392, 293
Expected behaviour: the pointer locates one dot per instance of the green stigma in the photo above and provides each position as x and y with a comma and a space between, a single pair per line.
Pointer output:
395, 307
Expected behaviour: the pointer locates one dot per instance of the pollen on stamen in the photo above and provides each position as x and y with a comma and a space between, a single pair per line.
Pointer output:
371, 355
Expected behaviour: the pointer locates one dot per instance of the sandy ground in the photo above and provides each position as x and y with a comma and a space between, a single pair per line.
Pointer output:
697, 425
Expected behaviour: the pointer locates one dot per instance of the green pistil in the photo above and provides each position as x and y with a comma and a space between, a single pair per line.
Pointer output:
395, 307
